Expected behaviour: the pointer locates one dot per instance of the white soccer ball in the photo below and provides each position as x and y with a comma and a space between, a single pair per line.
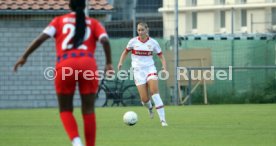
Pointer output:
130, 118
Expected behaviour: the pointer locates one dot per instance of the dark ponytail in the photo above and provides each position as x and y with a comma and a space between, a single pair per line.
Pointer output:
78, 6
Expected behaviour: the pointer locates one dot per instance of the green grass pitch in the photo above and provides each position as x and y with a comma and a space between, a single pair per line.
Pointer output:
196, 125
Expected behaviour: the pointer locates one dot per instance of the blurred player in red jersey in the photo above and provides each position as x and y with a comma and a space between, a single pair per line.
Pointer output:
75, 37
145, 74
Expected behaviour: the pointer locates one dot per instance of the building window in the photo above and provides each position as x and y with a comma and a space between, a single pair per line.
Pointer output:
222, 2
222, 19
144, 6
243, 18
243, 1
273, 16
194, 2
194, 20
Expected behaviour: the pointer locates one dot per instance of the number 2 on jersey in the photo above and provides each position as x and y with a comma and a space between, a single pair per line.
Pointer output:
71, 28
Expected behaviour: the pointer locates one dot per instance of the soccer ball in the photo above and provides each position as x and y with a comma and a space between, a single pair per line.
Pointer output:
130, 118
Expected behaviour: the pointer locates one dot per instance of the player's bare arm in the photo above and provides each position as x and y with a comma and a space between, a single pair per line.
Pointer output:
122, 59
32, 47
163, 61
107, 51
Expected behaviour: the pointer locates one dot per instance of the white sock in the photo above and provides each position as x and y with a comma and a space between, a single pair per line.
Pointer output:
147, 104
76, 141
159, 106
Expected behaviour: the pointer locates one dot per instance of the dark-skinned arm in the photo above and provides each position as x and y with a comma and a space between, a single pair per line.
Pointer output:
106, 45
30, 49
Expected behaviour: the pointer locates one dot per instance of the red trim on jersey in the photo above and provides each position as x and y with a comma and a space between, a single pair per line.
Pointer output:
141, 53
159, 54
127, 50
152, 74
159, 107
142, 40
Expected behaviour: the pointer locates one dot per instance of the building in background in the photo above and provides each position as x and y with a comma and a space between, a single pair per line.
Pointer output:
220, 16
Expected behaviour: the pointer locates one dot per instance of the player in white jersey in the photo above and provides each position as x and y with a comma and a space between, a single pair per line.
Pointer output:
142, 49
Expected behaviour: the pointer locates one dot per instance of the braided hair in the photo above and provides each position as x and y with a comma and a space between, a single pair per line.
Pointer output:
78, 6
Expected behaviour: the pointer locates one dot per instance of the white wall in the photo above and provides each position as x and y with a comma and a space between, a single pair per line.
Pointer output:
205, 22
258, 16
205, 2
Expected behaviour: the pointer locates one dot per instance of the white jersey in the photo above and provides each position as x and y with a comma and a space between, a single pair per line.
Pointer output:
141, 52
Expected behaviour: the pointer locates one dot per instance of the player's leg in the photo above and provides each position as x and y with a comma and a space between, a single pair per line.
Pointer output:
88, 87
143, 92
65, 88
89, 118
68, 120
141, 84
153, 86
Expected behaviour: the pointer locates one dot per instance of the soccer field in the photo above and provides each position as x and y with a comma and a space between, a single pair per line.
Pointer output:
197, 125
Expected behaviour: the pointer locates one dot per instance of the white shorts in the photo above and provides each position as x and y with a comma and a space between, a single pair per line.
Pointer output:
143, 74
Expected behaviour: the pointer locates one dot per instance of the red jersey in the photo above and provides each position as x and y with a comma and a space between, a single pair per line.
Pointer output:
62, 28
